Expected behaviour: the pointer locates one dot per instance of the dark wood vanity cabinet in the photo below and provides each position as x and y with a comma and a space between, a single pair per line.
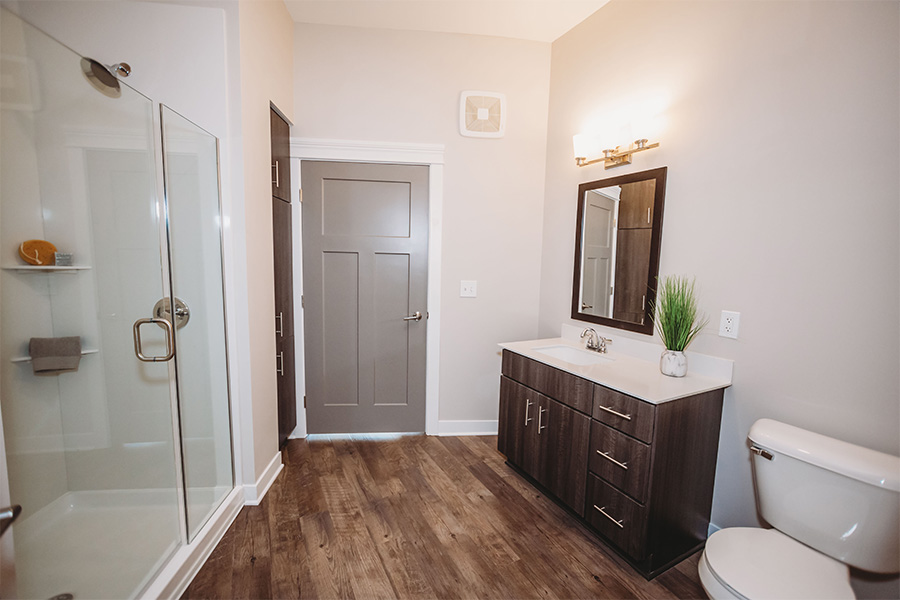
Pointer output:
547, 440
640, 474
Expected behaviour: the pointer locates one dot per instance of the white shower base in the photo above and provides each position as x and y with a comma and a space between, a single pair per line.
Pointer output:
96, 544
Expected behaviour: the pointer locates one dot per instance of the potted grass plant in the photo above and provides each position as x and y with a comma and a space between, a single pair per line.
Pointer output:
677, 321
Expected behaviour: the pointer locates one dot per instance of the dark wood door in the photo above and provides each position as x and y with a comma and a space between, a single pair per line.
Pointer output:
282, 247
636, 204
564, 443
281, 150
517, 435
284, 278
284, 322
287, 393
630, 297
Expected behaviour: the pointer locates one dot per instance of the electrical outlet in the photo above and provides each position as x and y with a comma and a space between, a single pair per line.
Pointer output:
468, 289
728, 326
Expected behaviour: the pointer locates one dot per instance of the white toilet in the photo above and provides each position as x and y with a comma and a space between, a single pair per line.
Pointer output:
832, 504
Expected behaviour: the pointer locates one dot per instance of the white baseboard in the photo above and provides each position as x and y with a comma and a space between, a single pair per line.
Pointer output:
177, 575
254, 493
467, 427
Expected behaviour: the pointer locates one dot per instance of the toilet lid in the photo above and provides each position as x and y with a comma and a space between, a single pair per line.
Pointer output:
765, 563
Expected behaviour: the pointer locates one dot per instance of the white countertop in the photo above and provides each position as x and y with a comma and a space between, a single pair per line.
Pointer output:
627, 374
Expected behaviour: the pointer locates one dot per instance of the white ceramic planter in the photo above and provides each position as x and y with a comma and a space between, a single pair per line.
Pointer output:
673, 363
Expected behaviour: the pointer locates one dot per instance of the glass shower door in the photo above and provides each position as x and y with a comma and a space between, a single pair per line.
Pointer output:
90, 452
191, 160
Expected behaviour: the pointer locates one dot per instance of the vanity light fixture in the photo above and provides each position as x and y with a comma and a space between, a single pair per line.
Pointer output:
611, 157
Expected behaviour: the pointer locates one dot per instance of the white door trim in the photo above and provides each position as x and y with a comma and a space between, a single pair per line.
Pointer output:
432, 156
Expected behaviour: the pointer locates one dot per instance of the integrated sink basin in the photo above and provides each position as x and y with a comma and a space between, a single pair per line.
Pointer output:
574, 355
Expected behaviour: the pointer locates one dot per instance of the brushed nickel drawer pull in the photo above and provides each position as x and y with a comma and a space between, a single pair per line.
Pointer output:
528, 404
613, 412
606, 514
541, 419
606, 455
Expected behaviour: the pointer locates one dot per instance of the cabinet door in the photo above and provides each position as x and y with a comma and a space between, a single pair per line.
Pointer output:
636, 204
629, 303
284, 320
284, 266
564, 442
281, 167
287, 390
517, 432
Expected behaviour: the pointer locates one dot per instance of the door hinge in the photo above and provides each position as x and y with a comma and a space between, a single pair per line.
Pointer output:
304, 400
301, 196
302, 305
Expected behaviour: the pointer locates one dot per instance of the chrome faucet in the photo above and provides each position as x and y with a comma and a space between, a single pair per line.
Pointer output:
595, 342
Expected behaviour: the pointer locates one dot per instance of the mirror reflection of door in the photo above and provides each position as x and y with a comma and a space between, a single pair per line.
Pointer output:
600, 209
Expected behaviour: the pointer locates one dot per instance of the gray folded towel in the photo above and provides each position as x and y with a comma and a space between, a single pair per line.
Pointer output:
52, 356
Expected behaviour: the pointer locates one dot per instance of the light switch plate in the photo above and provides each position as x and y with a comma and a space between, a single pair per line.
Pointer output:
468, 289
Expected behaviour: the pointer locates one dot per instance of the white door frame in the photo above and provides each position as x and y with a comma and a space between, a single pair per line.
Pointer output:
432, 156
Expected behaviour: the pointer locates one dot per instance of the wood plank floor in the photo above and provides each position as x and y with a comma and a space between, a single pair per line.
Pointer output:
416, 517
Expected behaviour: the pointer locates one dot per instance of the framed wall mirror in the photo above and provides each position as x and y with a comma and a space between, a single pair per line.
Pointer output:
617, 244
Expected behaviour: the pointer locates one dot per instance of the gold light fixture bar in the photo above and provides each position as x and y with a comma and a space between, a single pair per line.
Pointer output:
619, 156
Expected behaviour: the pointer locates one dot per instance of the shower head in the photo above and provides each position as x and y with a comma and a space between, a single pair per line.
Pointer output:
104, 78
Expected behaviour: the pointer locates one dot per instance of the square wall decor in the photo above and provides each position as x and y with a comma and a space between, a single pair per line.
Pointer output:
482, 114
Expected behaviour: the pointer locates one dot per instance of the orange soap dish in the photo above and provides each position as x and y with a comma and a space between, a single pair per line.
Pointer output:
38, 252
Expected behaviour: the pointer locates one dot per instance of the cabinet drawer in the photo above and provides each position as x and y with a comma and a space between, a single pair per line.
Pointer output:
622, 520
630, 415
569, 389
621, 460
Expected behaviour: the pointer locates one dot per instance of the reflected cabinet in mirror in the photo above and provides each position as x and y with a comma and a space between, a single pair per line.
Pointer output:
617, 249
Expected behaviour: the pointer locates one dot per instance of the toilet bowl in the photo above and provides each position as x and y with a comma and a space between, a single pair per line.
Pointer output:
831, 504
754, 563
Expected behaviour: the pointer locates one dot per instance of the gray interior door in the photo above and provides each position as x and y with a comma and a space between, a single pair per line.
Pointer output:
365, 258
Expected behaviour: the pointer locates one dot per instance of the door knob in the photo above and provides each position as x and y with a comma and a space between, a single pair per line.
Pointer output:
416, 316
8, 515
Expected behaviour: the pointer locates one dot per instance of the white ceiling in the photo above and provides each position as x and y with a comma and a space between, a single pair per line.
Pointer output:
538, 20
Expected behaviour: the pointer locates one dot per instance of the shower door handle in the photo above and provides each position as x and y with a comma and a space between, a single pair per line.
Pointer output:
8, 515
170, 340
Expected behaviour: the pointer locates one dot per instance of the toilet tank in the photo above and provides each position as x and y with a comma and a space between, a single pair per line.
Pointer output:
839, 498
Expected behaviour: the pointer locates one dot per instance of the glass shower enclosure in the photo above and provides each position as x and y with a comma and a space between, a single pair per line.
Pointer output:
114, 394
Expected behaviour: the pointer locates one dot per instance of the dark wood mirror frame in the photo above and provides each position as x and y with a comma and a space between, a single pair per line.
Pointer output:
646, 327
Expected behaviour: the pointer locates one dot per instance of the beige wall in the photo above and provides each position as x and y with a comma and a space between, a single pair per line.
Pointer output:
266, 60
763, 98
394, 86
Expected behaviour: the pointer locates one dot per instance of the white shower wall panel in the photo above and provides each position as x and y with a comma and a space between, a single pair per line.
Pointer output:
34, 438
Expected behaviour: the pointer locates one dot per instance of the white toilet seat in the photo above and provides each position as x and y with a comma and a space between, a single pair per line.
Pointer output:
750, 563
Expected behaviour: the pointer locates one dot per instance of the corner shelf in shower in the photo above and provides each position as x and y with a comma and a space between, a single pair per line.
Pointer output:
23, 359
48, 269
